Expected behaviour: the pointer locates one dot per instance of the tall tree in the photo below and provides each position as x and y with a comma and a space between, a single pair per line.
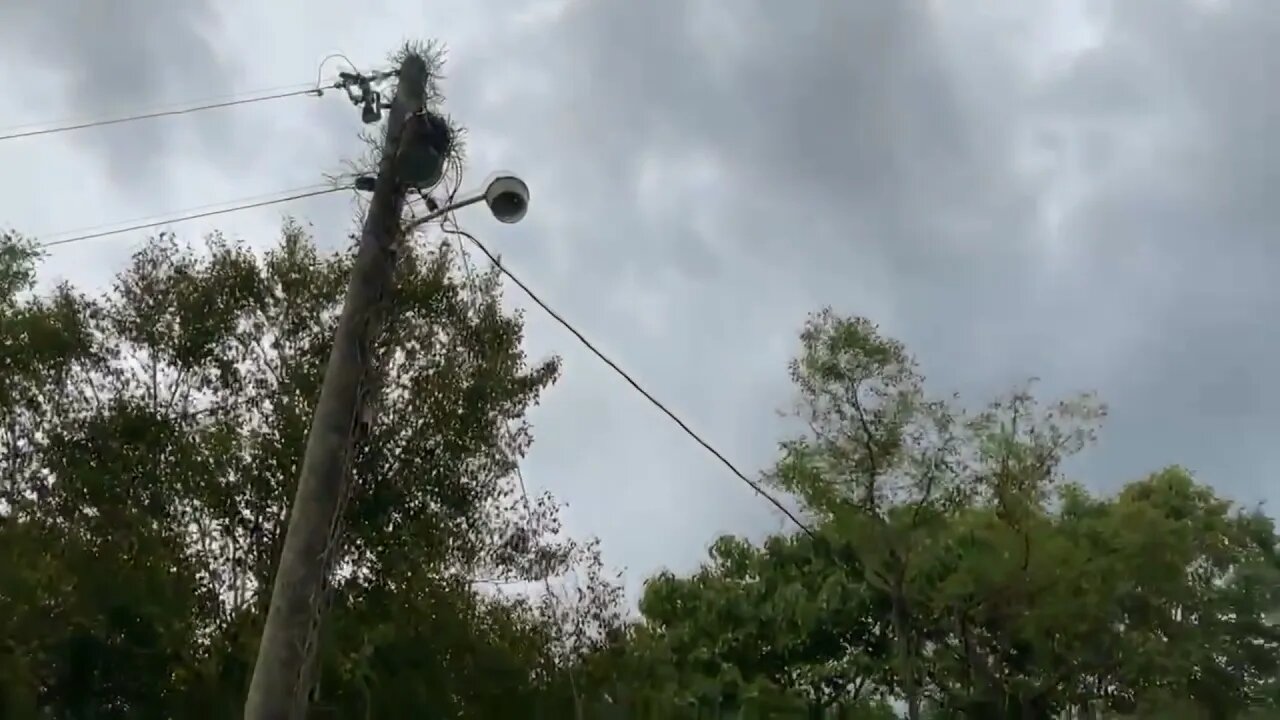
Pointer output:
957, 569
152, 435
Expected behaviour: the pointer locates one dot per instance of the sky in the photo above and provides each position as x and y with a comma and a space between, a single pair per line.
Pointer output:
1075, 191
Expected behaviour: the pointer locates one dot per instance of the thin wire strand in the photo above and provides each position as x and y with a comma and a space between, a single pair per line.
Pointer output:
195, 216
452, 219
53, 237
309, 90
175, 104
759, 490
331, 56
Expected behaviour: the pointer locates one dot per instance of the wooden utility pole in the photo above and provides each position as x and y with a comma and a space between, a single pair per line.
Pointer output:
281, 680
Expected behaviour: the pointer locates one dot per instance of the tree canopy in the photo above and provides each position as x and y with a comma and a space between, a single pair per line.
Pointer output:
955, 569
151, 436
149, 440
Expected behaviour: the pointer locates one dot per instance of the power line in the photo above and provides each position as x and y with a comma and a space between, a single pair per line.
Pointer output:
759, 490
176, 103
455, 230
159, 114
332, 56
755, 486
196, 215
54, 237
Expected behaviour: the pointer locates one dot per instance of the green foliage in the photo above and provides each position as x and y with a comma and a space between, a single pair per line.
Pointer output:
960, 573
151, 437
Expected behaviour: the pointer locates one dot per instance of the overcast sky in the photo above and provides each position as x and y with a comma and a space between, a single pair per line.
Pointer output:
1079, 191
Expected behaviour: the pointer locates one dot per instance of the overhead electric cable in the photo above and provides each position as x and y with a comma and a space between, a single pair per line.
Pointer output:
344, 81
755, 486
189, 215
15, 134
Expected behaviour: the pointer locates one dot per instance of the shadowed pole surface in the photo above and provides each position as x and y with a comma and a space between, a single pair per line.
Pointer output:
280, 687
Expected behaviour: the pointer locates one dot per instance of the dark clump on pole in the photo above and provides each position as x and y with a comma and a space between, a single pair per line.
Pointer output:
280, 686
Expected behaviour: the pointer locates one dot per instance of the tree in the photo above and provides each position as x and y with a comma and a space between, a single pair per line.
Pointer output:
957, 569
151, 438
150, 435
880, 467
761, 621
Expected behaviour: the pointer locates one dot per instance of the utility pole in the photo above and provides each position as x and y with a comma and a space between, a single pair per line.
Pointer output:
281, 681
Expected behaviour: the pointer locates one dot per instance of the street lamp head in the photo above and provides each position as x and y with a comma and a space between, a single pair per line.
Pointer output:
507, 197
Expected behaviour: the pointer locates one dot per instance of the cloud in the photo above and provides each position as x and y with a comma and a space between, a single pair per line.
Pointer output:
1076, 190
1175, 232
754, 164
120, 56
1075, 193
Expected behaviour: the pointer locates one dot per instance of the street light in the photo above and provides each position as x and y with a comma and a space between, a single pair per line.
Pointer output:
506, 195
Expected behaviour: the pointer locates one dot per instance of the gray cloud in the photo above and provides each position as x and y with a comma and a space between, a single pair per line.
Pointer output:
753, 167
1178, 234
120, 56
131, 56
704, 175
872, 156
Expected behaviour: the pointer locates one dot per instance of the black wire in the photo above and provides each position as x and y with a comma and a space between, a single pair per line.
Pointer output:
631, 381
163, 113
339, 178
451, 219
327, 58
193, 216
755, 486
449, 225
